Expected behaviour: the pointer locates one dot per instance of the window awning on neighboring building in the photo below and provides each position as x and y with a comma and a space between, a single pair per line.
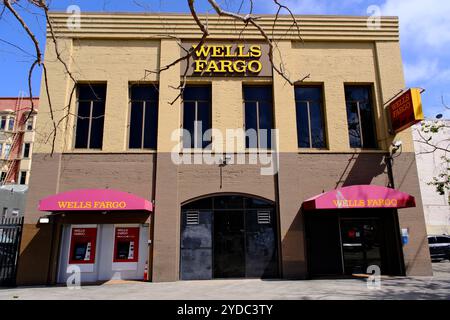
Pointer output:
94, 200
360, 197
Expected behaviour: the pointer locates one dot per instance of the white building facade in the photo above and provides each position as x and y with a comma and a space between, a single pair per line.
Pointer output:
431, 163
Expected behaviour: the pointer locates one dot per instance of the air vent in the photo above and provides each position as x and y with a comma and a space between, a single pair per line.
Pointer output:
192, 217
263, 217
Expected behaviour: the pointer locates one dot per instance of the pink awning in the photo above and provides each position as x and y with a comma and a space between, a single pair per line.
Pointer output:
94, 200
361, 197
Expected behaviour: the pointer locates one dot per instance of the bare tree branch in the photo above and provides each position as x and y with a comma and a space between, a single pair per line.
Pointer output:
444, 104
189, 54
250, 19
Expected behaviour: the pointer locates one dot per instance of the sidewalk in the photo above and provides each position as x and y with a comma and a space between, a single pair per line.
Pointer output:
436, 287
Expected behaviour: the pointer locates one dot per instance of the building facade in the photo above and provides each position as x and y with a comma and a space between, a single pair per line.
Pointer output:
12, 201
430, 165
264, 179
17, 136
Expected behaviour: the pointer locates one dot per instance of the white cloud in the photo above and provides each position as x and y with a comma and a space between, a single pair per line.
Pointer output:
423, 70
422, 21
426, 72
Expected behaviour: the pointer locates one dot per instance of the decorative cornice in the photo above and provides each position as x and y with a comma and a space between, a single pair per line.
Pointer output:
159, 26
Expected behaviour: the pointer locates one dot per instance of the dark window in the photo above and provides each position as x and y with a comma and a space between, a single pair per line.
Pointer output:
2, 122
361, 125
23, 178
91, 116
3, 177
205, 203
143, 117
431, 240
258, 104
310, 120
11, 123
26, 150
196, 116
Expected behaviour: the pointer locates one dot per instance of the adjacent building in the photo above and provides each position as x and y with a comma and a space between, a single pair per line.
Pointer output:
235, 173
17, 134
431, 163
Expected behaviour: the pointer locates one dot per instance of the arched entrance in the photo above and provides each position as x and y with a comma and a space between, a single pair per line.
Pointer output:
228, 236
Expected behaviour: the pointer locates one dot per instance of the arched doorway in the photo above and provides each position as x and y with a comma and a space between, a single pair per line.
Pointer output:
228, 236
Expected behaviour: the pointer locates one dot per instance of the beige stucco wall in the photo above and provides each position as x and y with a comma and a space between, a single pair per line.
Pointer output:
121, 62
118, 59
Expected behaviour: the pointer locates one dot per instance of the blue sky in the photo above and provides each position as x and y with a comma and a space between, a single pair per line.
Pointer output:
425, 36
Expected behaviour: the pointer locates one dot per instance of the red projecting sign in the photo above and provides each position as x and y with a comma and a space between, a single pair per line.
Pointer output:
406, 110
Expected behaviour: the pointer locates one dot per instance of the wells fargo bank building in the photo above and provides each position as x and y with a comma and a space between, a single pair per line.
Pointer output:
243, 176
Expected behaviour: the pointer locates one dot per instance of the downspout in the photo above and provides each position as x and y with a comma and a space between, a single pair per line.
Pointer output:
152, 219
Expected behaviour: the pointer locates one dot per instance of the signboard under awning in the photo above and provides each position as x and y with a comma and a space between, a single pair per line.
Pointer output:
406, 110
360, 197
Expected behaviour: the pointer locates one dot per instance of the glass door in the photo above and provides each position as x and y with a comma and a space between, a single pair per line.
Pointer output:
361, 244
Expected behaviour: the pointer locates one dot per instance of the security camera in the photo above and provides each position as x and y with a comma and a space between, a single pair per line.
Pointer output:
397, 144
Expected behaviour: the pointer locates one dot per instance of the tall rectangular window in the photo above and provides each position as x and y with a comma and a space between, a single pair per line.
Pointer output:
91, 116
143, 117
7, 150
23, 178
310, 120
196, 117
2, 122
26, 150
30, 124
11, 123
258, 106
361, 122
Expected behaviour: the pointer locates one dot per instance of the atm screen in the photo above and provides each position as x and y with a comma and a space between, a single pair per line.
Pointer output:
79, 251
123, 250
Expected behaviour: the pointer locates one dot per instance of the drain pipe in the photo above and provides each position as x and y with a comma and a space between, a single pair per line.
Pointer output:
152, 219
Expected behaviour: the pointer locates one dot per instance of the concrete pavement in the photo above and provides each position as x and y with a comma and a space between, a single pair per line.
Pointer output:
436, 287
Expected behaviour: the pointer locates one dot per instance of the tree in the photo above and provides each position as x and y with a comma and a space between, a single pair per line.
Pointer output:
244, 19
429, 134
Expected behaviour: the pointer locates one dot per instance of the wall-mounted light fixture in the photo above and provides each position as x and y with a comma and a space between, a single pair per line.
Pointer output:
44, 220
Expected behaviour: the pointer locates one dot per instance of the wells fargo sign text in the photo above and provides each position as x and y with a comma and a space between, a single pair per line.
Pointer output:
83, 205
366, 203
406, 110
228, 60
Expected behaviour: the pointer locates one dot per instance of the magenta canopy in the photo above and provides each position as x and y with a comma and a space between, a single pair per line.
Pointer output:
95, 200
360, 197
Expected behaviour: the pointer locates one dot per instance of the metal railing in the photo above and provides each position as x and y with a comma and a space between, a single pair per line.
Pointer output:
10, 236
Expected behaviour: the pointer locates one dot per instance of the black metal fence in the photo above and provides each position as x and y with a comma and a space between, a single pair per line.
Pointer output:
10, 235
